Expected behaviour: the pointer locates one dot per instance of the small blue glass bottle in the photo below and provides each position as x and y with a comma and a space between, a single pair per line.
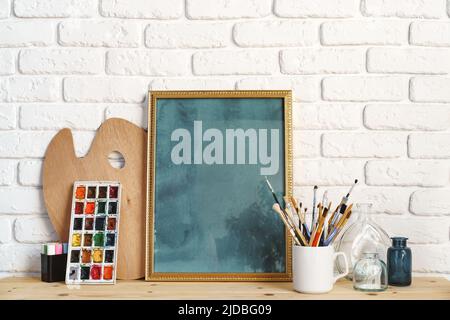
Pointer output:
399, 263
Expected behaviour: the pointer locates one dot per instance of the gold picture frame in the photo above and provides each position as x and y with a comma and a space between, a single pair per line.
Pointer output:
150, 273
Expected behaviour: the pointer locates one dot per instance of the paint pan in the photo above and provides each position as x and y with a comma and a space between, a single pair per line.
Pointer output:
94, 232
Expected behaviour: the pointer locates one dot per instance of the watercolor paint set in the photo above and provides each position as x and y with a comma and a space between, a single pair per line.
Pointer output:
94, 232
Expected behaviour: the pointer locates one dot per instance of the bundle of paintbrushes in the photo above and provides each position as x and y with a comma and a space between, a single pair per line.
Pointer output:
326, 224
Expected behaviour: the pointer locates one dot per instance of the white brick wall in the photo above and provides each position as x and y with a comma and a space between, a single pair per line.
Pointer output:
103, 89
275, 33
429, 145
430, 89
227, 9
29, 89
430, 33
407, 173
365, 32
425, 117
430, 202
54, 8
318, 8
417, 60
187, 35
242, 62
329, 60
61, 61
364, 88
7, 64
24, 33
47, 117
370, 81
7, 117
304, 88
7, 172
148, 63
4, 9
168, 9
101, 33
404, 8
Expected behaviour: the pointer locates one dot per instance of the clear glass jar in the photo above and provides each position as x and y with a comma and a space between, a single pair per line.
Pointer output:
370, 274
360, 237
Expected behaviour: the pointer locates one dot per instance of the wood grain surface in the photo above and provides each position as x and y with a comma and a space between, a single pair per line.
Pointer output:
33, 288
61, 168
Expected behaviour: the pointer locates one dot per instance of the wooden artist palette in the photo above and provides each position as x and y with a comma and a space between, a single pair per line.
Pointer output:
62, 168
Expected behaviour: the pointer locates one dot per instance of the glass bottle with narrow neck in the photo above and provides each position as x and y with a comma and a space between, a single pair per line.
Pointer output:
399, 262
360, 237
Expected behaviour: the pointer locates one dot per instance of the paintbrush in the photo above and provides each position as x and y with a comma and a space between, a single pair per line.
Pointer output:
318, 235
291, 220
283, 214
301, 216
305, 215
302, 238
290, 210
344, 216
351, 189
330, 220
337, 231
343, 205
325, 222
299, 213
297, 208
295, 204
314, 229
340, 225
273, 192
325, 199
313, 218
277, 209
291, 224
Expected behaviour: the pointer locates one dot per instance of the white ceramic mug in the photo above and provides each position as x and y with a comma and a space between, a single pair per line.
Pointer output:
313, 268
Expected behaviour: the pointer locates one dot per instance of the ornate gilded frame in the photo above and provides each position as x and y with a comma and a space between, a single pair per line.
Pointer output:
150, 275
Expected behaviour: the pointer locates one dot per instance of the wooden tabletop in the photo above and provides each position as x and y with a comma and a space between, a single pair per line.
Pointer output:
33, 288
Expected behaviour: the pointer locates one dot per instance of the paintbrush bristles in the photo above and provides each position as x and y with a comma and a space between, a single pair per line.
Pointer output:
276, 207
318, 233
323, 223
297, 208
287, 200
314, 227
313, 217
294, 230
289, 210
343, 219
294, 203
325, 199
326, 223
344, 216
338, 230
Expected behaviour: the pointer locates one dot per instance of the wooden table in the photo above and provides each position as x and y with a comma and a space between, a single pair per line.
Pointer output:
33, 288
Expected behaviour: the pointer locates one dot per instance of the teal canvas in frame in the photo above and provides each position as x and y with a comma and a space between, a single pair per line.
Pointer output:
209, 210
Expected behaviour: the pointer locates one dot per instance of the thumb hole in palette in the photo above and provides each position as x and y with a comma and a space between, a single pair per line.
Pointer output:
116, 160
